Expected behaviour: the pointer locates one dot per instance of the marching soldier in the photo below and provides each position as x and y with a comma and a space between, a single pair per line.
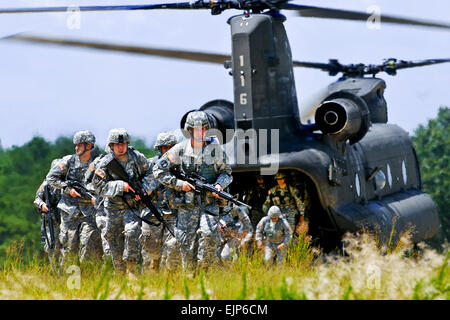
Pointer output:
256, 197
273, 233
40, 202
237, 231
198, 214
288, 200
122, 206
100, 216
153, 237
78, 228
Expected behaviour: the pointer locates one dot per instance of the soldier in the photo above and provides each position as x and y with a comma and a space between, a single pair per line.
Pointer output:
40, 203
121, 205
198, 214
78, 228
255, 197
100, 216
288, 199
274, 232
237, 231
153, 237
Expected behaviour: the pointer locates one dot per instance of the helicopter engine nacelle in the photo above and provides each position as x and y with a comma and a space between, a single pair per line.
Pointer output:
343, 116
220, 116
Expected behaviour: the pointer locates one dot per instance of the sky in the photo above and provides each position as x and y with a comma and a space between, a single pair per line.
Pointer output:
53, 91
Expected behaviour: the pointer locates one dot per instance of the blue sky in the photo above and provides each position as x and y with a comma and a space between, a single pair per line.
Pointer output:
50, 91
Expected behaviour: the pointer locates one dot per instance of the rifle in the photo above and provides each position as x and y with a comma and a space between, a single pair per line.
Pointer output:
200, 185
48, 217
115, 167
80, 188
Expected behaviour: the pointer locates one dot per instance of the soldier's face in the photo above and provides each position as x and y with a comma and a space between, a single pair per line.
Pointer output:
164, 149
79, 148
260, 181
199, 133
119, 149
274, 219
280, 182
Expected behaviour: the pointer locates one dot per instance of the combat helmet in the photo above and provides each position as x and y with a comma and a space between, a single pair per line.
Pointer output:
274, 212
118, 135
84, 136
165, 139
197, 119
280, 175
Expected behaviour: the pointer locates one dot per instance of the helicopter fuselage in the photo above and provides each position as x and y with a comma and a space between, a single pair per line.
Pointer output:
361, 171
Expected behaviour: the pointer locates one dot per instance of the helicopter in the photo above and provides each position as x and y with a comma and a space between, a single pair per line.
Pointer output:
359, 171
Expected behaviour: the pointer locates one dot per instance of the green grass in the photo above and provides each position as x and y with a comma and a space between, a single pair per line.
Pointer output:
369, 272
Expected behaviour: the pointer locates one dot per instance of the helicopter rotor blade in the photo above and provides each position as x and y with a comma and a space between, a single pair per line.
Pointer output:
180, 5
168, 53
328, 13
390, 66
413, 64
333, 67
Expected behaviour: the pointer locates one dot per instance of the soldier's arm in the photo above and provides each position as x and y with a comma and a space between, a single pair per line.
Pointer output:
259, 230
153, 183
89, 174
57, 175
39, 199
287, 231
244, 218
161, 169
222, 168
104, 186
298, 201
148, 181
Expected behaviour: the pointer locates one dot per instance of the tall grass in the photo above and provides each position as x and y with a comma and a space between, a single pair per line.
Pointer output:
368, 271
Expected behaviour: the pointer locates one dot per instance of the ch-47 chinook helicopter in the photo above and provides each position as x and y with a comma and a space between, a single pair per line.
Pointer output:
358, 170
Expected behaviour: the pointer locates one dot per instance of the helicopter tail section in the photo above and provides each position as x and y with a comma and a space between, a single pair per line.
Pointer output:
410, 211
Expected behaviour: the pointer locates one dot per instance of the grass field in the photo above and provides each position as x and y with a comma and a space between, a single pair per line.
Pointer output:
367, 272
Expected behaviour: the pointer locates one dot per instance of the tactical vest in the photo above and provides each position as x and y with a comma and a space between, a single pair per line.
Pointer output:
283, 200
205, 170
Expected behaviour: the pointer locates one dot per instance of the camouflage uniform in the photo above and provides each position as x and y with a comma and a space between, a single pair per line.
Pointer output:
255, 198
272, 234
100, 216
233, 234
193, 221
55, 196
78, 228
152, 237
122, 226
289, 201
170, 252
